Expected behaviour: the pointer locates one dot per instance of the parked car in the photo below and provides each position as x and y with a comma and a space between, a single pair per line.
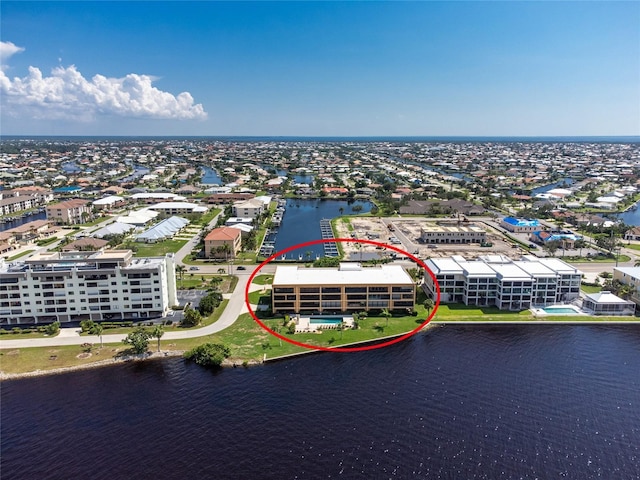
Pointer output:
241, 268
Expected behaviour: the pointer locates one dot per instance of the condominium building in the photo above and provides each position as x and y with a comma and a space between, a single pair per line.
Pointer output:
69, 212
629, 276
494, 280
346, 288
251, 208
452, 233
222, 243
75, 286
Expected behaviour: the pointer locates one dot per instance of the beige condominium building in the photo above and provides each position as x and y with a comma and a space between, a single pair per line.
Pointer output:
69, 212
349, 287
222, 243
75, 286
452, 233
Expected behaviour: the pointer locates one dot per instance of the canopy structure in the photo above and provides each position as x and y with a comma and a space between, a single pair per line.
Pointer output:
163, 230
112, 229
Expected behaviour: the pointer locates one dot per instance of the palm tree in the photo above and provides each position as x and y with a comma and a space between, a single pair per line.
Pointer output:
386, 313
341, 210
429, 304
180, 269
97, 330
158, 332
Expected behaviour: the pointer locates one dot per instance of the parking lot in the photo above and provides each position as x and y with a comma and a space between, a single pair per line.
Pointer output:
404, 233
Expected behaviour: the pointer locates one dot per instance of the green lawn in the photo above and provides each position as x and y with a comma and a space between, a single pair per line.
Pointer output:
590, 288
20, 255
621, 259
158, 249
633, 246
258, 297
263, 280
195, 280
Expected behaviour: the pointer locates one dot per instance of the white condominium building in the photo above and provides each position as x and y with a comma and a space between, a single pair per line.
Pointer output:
75, 286
494, 280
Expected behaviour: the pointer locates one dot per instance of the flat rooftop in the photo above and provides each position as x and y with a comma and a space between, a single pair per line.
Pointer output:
346, 274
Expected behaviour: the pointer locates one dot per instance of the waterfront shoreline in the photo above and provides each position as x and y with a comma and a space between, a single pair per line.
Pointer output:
234, 363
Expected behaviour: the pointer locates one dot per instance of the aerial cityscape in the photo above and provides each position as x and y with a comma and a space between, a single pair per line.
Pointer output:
399, 245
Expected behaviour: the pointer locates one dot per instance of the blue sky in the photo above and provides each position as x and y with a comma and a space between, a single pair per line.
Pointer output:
320, 69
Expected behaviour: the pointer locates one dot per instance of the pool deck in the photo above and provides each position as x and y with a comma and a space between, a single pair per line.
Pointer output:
304, 324
541, 312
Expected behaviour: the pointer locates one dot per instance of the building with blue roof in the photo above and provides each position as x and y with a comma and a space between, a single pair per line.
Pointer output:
520, 225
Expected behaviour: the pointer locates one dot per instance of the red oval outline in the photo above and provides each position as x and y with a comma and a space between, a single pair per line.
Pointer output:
338, 348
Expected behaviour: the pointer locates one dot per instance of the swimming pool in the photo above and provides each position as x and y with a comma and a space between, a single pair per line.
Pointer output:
561, 310
325, 320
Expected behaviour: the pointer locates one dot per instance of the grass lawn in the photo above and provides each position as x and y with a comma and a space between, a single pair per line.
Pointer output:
633, 246
47, 358
227, 285
158, 249
94, 222
20, 255
621, 259
590, 288
257, 297
453, 312
263, 280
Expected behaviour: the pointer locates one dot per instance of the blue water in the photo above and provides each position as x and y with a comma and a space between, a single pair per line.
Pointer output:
210, 177
559, 310
559, 184
21, 221
138, 172
630, 217
332, 320
496, 403
301, 223
308, 179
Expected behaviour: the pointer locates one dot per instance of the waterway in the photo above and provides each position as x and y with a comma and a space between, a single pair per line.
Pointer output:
210, 177
476, 402
563, 183
22, 220
301, 222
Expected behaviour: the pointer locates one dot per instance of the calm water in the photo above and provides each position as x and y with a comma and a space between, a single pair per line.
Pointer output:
210, 177
453, 403
630, 217
564, 183
301, 222
21, 221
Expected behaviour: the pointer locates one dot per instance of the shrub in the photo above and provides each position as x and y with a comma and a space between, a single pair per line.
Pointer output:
52, 328
208, 355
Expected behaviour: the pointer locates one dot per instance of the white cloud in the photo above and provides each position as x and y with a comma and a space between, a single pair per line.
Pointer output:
66, 94
7, 49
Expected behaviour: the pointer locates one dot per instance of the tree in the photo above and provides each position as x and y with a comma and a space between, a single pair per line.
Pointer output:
138, 340
52, 329
180, 269
580, 244
551, 247
429, 304
157, 332
209, 303
356, 208
341, 210
97, 330
386, 314
191, 318
208, 355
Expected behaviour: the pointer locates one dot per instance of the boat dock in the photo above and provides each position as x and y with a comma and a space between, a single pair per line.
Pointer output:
330, 248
